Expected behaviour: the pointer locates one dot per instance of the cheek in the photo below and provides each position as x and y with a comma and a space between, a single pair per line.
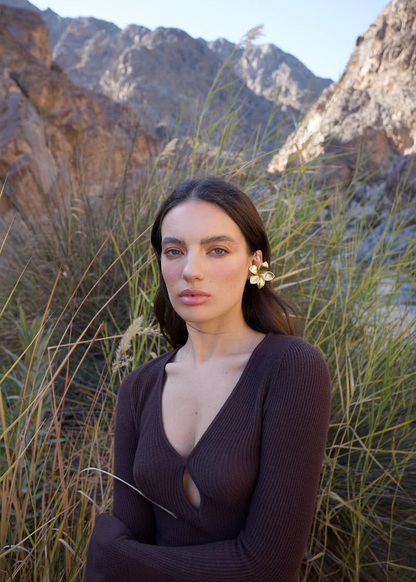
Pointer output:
169, 272
230, 276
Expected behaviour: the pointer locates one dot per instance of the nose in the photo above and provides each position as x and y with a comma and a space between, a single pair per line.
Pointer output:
193, 267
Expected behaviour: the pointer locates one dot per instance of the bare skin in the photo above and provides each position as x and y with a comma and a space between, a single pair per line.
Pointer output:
206, 369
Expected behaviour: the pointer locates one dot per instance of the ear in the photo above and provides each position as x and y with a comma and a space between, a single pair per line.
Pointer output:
257, 260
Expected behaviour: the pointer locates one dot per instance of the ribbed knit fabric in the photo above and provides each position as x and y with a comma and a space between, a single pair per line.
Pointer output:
257, 468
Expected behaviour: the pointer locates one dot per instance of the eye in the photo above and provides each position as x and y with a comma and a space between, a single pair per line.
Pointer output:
168, 251
223, 251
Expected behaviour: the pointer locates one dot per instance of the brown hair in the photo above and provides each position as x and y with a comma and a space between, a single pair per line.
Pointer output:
263, 309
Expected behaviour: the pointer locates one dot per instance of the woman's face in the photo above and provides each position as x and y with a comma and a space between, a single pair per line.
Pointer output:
203, 249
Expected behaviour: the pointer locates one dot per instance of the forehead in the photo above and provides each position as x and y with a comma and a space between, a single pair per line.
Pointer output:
196, 219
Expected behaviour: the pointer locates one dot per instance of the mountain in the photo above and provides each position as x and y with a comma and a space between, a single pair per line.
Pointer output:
274, 74
370, 111
165, 75
21, 4
73, 91
54, 134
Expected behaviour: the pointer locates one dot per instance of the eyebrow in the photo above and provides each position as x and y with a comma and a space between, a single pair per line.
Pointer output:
204, 241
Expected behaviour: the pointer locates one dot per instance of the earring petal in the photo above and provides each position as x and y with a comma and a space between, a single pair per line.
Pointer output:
264, 265
254, 279
269, 276
253, 269
260, 283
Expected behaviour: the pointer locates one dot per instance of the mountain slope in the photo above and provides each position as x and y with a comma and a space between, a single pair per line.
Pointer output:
274, 74
166, 74
371, 109
163, 74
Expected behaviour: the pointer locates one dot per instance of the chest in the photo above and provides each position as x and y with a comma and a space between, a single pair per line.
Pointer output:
200, 449
190, 402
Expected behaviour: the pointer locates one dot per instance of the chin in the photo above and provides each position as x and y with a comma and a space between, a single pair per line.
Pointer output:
190, 314
194, 314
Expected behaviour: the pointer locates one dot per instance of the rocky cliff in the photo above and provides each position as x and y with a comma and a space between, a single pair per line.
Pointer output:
370, 112
270, 72
54, 134
165, 75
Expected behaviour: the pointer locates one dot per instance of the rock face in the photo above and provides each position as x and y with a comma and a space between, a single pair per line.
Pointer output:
164, 75
371, 110
274, 74
54, 134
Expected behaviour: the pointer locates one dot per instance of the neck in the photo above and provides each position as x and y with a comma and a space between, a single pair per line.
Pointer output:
212, 342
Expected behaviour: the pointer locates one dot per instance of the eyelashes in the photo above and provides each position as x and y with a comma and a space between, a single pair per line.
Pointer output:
169, 251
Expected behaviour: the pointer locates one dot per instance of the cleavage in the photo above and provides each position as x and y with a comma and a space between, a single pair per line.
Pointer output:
187, 414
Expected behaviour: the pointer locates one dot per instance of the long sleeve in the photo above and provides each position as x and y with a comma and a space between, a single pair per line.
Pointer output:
129, 506
272, 544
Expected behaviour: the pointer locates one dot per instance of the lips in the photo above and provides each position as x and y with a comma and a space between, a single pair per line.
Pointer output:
193, 292
194, 299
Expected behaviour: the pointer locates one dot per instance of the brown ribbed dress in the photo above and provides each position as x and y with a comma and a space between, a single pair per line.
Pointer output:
257, 468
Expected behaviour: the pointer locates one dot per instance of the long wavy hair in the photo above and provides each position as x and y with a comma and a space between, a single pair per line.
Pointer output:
263, 309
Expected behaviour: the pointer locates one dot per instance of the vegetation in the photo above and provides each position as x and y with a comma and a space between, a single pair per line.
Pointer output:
76, 294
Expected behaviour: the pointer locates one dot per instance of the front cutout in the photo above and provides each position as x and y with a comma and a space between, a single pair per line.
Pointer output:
191, 490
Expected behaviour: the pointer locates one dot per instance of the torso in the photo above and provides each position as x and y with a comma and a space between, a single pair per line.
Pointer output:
192, 398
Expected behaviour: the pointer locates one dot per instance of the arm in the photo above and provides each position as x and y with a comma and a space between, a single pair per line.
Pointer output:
272, 545
129, 507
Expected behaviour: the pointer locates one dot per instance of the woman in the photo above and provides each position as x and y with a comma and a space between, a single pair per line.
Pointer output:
224, 436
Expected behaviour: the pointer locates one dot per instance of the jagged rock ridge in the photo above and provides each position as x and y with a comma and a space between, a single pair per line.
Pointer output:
272, 73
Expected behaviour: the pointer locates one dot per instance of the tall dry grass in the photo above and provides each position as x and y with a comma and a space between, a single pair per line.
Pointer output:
76, 316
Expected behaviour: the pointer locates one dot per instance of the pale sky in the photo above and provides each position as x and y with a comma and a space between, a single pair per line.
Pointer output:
321, 33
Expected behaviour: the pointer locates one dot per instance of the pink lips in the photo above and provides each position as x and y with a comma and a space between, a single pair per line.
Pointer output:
193, 296
188, 291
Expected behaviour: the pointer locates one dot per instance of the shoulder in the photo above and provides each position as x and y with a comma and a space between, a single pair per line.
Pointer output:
280, 348
145, 375
294, 351
298, 368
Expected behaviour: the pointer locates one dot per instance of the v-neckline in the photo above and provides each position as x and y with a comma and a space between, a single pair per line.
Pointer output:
220, 412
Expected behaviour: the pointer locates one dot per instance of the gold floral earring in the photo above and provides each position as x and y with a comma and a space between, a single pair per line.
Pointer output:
260, 274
